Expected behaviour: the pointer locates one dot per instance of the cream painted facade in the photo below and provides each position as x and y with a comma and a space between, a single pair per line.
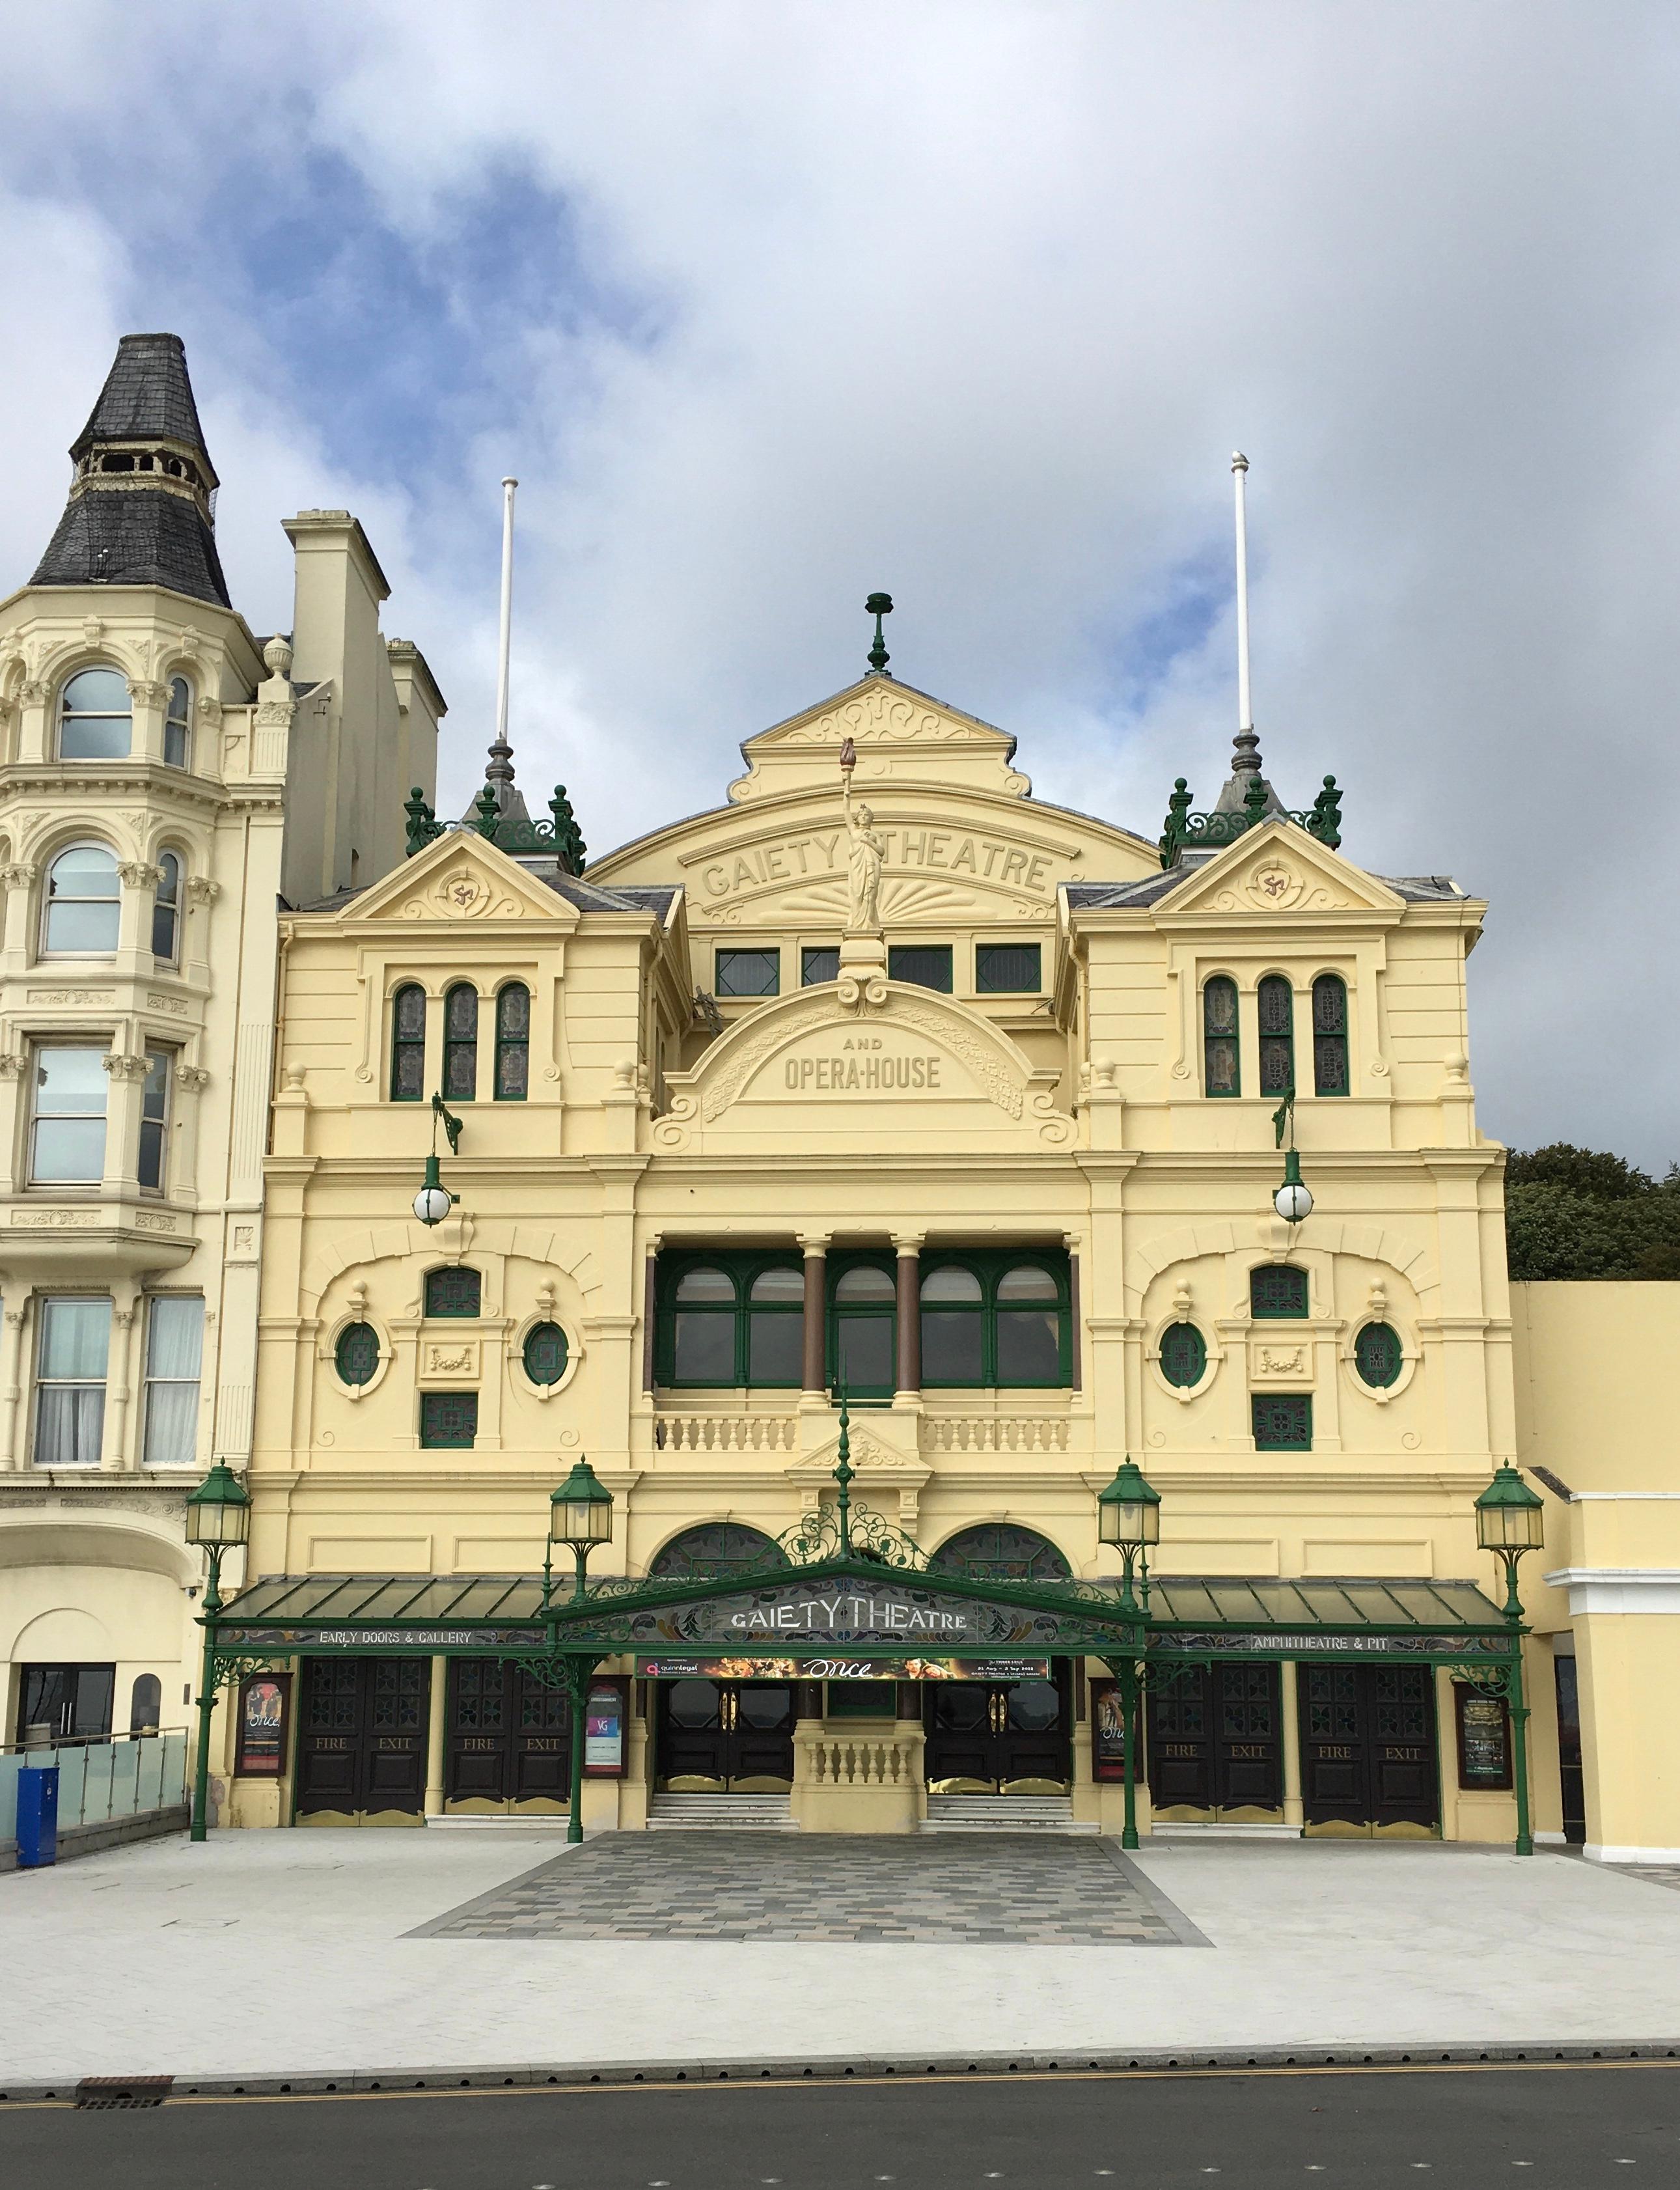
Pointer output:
235, 773
868, 1115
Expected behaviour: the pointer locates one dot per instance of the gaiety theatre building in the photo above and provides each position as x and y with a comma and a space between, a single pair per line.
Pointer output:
884, 1080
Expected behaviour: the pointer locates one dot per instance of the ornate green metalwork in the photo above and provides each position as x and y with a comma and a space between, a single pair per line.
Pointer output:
1209, 832
423, 824
878, 605
510, 832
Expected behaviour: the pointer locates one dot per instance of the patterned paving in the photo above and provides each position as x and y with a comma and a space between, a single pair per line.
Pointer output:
993, 1889
1660, 1874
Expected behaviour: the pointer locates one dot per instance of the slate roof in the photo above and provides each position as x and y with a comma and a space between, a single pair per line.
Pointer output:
587, 897
1417, 889
147, 396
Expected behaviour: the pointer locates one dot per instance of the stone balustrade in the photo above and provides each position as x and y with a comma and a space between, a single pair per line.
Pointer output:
994, 1433
725, 1434
862, 1782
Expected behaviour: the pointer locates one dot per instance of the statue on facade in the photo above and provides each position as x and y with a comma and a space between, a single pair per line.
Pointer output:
866, 855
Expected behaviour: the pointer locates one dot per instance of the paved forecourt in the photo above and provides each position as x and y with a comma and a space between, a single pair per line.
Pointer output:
268, 1954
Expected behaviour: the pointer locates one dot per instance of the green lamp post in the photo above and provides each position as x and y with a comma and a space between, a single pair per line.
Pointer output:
1510, 1520
1128, 1517
219, 1516
580, 1513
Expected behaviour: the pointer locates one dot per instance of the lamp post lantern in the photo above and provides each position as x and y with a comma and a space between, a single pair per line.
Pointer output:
1510, 1520
1293, 1200
1128, 1517
219, 1516
580, 1513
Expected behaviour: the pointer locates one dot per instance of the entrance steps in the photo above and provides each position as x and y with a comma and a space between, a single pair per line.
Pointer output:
1215, 1830
727, 1813
1002, 1813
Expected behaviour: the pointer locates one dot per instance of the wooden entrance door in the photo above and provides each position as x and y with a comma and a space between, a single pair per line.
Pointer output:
361, 1740
998, 1737
1368, 1748
725, 1737
509, 1738
1216, 1742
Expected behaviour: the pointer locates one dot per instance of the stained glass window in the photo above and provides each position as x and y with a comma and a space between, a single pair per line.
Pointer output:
1378, 1355
545, 1353
448, 1418
1277, 1288
452, 1290
715, 1547
408, 1045
1221, 1069
1183, 1355
400, 1685
1277, 1036
1000, 1551
461, 1044
1329, 1036
513, 1043
1283, 1421
356, 1356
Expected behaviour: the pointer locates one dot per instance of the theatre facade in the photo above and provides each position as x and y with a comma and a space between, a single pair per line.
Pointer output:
857, 1175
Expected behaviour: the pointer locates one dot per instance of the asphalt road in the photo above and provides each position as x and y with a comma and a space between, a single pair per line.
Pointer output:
1550, 2129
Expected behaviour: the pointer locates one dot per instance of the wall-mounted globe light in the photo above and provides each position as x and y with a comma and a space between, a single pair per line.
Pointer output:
1293, 1200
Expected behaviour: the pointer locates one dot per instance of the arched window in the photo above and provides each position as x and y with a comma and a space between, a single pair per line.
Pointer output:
993, 1318
1030, 1326
545, 1353
166, 910
408, 1044
178, 724
461, 1043
863, 1351
1184, 1355
145, 1704
732, 1320
702, 1328
81, 902
513, 1043
999, 1550
1221, 1069
775, 1326
1277, 1036
356, 1355
96, 718
1378, 1355
1277, 1290
452, 1290
1329, 1036
953, 1320
714, 1547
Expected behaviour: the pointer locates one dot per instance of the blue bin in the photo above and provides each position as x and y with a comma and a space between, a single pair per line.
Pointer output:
38, 1816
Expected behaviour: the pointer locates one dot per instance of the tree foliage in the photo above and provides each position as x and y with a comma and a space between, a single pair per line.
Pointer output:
1582, 1213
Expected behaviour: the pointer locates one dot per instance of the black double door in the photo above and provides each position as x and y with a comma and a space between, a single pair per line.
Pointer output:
998, 1737
1216, 1742
508, 1737
362, 1736
1368, 1748
725, 1737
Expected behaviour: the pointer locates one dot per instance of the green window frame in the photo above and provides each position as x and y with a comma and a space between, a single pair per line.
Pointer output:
1278, 1292
921, 964
1329, 1036
996, 1320
1283, 1421
449, 1421
513, 1043
710, 1548
863, 1335
738, 1316
1221, 1047
1276, 1003
749, 973
1184, 1355
1378, 1355
819, 962
461, 1043
408, 1044
545, 1353
453, 1289
356, 1355
1008, 969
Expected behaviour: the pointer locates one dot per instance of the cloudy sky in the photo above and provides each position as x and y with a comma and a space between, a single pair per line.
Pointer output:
768, 304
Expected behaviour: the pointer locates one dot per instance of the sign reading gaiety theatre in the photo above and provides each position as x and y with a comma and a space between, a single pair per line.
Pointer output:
840, 1620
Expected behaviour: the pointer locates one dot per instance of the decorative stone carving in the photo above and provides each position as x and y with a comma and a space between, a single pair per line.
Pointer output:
124, 1068
137, 875
19, 875
13, 1066
193, 1077
200, 890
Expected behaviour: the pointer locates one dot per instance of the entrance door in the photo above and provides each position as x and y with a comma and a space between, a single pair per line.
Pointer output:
725, 1737
74, 1701
998, 1737
1572, 1779
509, 1738
361, 1741
1368, 1749
1216, 1744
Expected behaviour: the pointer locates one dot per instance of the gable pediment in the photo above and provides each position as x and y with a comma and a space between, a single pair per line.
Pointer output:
900, 728
459, 877
1278, 869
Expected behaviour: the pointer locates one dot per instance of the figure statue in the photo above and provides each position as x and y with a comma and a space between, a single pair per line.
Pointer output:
866, 855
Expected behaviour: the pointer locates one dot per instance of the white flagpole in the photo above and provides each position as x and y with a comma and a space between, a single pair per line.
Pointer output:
1245, 704
508, 487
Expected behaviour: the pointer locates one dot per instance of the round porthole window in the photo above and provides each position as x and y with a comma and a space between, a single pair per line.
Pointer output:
1377, 1355
1183, 1355
357, 1353
545, 1353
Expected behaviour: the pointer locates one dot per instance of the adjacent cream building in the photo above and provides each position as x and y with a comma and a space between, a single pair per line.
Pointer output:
167, 780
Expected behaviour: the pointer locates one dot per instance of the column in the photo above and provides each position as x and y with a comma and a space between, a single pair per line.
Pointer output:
815, 1376
123, 1372
435, 1724
909, 1245
1293, 1814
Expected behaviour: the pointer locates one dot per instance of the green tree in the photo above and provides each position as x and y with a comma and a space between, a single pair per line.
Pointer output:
1583, 1213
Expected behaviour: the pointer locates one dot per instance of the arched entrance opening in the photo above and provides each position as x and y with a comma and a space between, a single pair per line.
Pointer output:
718, 1733
1001, 1737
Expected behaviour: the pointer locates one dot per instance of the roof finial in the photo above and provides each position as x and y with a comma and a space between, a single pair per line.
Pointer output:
1247, 758
878, 605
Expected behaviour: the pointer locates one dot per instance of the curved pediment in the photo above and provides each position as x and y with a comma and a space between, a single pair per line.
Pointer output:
914, 1071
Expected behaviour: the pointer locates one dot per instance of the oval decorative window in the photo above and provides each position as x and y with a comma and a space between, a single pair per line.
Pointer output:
1377, 1355
357, 1353
1183, 1355
545, 1353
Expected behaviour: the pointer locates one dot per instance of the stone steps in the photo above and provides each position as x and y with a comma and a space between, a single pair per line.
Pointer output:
729, 1813
1002, 1813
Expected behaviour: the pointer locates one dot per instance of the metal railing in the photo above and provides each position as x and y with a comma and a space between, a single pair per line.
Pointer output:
119, 1776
